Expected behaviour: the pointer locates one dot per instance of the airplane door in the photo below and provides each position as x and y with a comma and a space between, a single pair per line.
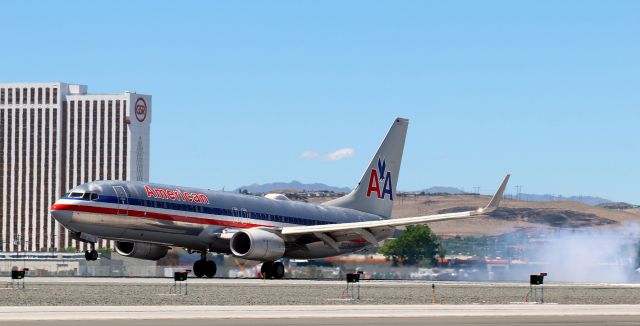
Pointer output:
123, 200
240, 216
244, 216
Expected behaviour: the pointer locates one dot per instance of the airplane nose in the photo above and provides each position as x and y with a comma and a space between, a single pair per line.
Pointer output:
61, 216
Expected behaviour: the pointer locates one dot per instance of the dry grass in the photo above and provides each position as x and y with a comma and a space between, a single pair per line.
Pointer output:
426, 205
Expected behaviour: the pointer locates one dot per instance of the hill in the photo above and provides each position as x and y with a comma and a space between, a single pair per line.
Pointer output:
442, 190
513, 215
589, 200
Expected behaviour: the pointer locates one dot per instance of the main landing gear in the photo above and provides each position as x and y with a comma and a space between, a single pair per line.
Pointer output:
91, 254
271, 269
204, 267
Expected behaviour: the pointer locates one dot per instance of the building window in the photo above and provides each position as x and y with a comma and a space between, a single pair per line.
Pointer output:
79, 123
24, 95
94, 145
47, 96
110, 149
32, 96
102, 141
117, 141
17, 96
55, 95
87, 125
2, 96
39, 95
72, 144
9, 95
125, 136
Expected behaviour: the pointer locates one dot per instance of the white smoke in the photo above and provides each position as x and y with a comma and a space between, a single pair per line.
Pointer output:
608, 256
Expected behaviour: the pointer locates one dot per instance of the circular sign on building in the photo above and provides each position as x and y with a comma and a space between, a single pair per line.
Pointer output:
141, 109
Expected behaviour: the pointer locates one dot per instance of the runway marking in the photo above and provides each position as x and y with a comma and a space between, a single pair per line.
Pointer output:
306, 311
254, 281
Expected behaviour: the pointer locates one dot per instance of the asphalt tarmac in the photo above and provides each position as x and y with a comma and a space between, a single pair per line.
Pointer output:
226, 292
456, 321
325, 315
141, 302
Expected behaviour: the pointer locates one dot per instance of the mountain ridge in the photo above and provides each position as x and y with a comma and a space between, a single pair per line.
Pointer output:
318, 186
293, 185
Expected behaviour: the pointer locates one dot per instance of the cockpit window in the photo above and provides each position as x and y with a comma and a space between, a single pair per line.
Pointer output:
90, 196
76, 195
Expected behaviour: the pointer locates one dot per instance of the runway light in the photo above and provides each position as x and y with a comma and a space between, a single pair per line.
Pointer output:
536, 282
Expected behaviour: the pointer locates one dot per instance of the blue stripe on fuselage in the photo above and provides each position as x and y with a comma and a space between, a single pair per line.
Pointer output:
204, 209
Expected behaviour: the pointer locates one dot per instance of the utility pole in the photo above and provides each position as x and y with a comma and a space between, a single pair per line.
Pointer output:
476, 191
518, 191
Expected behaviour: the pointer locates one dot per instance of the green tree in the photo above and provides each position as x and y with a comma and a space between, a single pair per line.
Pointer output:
442, 251
418, 244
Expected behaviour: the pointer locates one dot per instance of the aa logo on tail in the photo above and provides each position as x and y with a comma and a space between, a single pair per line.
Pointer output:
378, 176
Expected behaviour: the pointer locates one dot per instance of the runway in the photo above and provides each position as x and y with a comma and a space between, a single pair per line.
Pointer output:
145, 302
43, 291
255, 281
348, 314
452, 321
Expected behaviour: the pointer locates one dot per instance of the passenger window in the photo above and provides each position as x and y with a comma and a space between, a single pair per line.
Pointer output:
94, 196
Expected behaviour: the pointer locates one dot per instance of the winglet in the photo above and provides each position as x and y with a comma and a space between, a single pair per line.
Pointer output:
495, 201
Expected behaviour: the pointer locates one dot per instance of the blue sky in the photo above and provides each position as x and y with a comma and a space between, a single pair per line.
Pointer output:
545, 90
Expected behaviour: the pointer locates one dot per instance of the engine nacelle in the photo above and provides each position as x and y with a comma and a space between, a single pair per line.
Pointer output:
141, 250
257, 244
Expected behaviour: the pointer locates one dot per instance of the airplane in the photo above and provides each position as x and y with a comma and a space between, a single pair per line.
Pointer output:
146, 219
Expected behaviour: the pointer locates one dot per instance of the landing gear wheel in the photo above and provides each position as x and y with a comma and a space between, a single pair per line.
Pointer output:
199, 268
277, 270
210, 268
266, 269
91, 255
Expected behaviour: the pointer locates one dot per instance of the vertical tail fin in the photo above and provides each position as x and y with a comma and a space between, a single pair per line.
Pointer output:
377, 189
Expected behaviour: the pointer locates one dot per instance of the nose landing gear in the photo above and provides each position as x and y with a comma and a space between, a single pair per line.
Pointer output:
271, 269
204, 267
91, 254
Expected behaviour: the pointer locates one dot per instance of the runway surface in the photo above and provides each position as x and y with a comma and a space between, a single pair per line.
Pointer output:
452, 321
324, 315
146, 302
232, 292
249, 281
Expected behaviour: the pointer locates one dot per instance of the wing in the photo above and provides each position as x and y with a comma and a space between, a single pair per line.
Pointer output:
367, 230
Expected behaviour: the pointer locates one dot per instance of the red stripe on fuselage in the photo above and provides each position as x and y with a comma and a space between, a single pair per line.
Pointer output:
152, 215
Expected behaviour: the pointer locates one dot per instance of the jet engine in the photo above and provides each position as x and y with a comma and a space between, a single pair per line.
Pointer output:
141, 250
257, 244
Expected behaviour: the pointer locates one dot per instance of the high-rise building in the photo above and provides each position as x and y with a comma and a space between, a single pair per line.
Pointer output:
55, 136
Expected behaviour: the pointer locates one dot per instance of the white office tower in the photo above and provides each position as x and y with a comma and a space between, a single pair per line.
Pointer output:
55, 136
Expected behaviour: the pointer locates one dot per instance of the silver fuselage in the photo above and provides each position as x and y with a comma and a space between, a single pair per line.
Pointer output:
198, 219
